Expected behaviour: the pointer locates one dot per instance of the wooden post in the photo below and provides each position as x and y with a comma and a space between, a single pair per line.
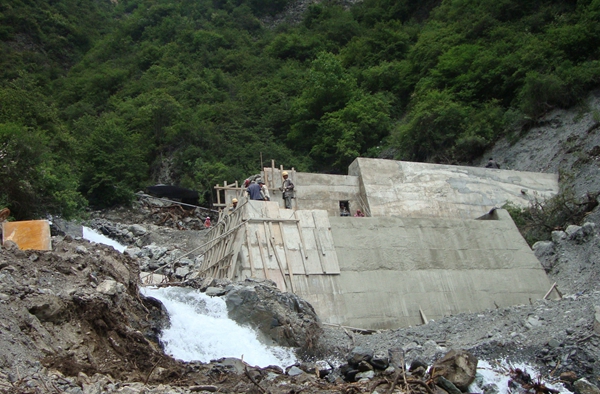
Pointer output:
280, 176
423, 317
550, 291
272, 174
295, 203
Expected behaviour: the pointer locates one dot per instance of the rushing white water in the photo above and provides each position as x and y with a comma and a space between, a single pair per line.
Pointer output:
201, 331
498, 374
94, 236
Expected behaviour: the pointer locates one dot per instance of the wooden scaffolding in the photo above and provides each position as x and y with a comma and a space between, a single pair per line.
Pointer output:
260, 240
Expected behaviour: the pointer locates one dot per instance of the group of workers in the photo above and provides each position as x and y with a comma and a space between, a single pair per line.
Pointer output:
257, 190
345, 212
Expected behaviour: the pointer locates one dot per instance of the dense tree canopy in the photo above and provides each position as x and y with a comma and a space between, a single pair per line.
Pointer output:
96, 96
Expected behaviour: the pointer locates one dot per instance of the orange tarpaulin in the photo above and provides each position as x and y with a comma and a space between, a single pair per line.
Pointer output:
29, 234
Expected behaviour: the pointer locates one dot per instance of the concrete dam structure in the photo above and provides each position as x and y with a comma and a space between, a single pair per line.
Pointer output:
433, 243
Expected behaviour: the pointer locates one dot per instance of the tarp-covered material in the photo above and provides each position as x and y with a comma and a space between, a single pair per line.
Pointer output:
186, 196
29, 234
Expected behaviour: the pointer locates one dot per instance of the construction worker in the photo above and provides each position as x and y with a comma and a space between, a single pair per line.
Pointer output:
207, 222
234, 203
492, 164
287, 188
258, 191
264, 190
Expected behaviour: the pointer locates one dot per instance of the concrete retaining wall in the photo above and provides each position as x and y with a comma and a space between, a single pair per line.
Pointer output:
407, 189
323, 191
391, 268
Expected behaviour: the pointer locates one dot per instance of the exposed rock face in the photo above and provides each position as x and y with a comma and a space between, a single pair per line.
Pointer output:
283, 318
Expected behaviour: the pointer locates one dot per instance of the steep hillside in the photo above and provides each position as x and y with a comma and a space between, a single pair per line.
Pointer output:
215, 90
566, 142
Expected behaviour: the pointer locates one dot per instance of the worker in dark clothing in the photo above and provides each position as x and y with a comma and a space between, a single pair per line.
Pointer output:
492, 164
287, 189
256, 190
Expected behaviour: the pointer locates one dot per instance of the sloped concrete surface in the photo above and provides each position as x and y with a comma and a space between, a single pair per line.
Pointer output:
408, 189
395, 272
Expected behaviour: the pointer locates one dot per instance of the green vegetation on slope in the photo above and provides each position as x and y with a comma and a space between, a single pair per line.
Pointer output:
206, 83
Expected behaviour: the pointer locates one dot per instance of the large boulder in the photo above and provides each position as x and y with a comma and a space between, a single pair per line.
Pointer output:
282, 318
458, 367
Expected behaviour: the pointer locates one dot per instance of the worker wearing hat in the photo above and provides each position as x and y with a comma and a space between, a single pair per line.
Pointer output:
234, 203
258, 191
287, 188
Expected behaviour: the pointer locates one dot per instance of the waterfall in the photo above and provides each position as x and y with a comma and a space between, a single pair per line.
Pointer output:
201, 331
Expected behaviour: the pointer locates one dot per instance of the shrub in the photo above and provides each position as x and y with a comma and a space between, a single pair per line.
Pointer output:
537, 221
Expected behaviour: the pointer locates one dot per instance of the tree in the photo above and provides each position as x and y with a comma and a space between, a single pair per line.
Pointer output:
33, 181
113, 160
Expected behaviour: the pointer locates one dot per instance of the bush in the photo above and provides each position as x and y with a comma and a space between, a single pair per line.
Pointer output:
537, 221
542, 92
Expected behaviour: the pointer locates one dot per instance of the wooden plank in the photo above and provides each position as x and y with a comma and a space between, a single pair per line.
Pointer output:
312, 263
249, 245
265, 228
302, 243
330, 261
279, 264
286, 254
317, 235
238, 242
304, 257
325, 237
294, 200
275, 234
319, 249
294, 254
262, 255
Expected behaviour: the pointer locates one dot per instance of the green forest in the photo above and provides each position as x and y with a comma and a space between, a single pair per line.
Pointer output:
95, 96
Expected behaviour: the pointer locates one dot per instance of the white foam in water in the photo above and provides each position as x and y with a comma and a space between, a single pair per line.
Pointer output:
201, 331
499, 375
94, 236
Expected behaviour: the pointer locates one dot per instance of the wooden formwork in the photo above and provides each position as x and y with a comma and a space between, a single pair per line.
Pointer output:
273, 180
260, 240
